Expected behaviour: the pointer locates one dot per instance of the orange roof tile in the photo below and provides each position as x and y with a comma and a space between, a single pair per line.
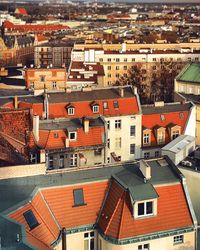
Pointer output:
173, 212
152, 121
61, 202
47, 231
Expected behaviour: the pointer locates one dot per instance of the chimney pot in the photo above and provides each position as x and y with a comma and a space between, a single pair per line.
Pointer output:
16, 102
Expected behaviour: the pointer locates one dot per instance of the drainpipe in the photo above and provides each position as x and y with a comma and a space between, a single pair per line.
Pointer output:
64, 239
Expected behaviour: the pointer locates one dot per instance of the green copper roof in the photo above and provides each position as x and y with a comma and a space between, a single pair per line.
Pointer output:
191, 73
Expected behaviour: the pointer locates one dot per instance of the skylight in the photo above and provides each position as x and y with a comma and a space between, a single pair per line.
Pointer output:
30, 219
78, 197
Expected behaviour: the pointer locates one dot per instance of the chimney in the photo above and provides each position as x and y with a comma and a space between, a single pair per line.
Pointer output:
86, 125
16, 102
121, 92
42, 156
66, 142
145, 169
36, 127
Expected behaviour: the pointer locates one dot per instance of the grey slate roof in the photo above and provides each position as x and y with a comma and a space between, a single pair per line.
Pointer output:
175, 107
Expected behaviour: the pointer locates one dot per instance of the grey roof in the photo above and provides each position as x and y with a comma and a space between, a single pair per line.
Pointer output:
8, 233
167, 108
76, 96
179, 143
57, 124
192, 97
133, 180
16, 192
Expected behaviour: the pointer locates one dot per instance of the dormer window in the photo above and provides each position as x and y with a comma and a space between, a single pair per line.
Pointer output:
145, 208
161, 135
147, 137
115, 104
72, 136
95, 108
162, 117
175, 134
70, 110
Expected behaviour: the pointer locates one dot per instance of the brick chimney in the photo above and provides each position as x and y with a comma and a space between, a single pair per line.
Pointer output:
145, 169
36, 127
86, 124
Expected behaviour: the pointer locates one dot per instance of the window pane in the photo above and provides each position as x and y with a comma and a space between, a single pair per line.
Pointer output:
92, 244
141, 209
30, 219
78, 197
149, 207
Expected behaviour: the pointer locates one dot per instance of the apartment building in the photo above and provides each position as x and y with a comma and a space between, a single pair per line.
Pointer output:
163, 122
83, 74
112, 115
187, 88
134, 207
56, 53
118, 63
51, 78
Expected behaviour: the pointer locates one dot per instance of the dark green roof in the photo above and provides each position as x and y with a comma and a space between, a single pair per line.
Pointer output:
191, 73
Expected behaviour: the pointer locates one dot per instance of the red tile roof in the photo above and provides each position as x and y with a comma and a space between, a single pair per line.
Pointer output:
153, 121
48, 140
47, 231
117, 219
33, 27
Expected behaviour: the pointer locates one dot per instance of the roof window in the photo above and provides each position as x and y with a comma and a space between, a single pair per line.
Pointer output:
30, 219
116, 104
78, 197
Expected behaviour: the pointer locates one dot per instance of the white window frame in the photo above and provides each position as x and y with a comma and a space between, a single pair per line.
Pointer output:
132, 127
89, 238
70, 133
118, 124
161, 137
178, 239
146, 155
73, 160
145, 215
70, 111
95, 108
146, 138
175, 134
145, 246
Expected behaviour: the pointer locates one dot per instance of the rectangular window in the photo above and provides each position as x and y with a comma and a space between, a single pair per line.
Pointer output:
178, 239
108, 159
118, 124
161, 137
33, 158
108, 124
78, 197
108, 143
109, 59
105, 105
89, 241
50, 162
132, 130
72, 136
125, 59
61, 161
70, 111
175, 134
157, 154
95, 109
117, 60
115, 104
146, 155
117, 75
73, 160
144, 247
118, 143
117, 67
30, 219
109, 67
145, 208
146, 138
132, 148
125, 67
109, 75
